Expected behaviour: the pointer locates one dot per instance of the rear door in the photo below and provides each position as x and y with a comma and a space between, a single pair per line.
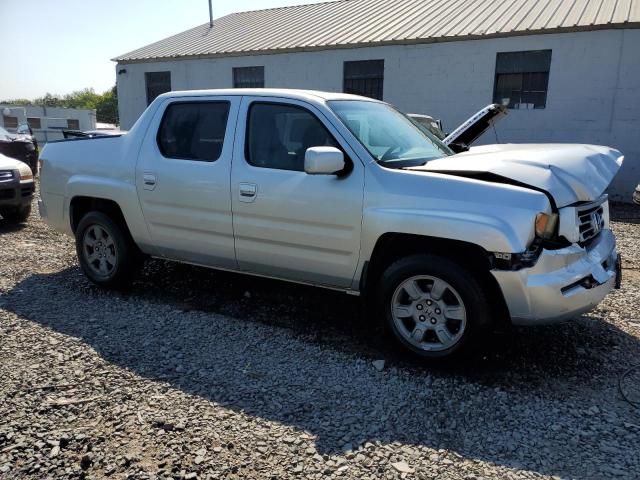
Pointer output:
287, 223
182, 178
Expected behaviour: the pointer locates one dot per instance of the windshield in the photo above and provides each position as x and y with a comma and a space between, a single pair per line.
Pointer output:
390, 137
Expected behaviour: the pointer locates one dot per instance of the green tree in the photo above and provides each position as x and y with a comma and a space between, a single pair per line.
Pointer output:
105, 104
107, 107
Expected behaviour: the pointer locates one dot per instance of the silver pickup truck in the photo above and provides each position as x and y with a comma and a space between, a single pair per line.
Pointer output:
346, 193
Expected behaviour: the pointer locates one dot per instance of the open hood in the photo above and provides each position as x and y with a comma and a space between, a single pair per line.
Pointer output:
569, 173
472, 128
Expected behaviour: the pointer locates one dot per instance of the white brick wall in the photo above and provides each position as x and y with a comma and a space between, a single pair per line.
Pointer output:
593, 96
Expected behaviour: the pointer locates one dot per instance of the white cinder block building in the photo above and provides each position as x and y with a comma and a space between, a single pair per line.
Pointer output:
570, 70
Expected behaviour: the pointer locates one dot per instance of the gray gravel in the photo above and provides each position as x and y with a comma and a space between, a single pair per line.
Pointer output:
199, 374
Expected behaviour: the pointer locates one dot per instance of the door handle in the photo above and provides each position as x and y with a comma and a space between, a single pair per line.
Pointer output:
248, 192
149, 181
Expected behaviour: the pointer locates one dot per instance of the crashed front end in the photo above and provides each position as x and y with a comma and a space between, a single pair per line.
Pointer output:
565, 281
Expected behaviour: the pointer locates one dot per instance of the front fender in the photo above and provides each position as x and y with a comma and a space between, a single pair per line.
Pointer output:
492, 233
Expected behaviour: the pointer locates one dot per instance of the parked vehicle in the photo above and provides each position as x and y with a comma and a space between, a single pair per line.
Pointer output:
16, 190
461, 139
26, 131
20, 147
343, 192
429, 123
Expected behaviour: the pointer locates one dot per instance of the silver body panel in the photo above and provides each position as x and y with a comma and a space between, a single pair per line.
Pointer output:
317, 229
548, 292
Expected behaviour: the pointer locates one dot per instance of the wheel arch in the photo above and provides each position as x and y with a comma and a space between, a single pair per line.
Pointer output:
110, 196
80, 205
392, 246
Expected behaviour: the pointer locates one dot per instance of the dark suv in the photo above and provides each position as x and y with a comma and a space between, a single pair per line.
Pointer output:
20, 147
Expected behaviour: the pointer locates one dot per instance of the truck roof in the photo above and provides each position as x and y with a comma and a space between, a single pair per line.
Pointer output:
309, 95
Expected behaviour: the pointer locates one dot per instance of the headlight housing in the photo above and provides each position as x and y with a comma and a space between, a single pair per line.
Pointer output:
24, 173
546, 225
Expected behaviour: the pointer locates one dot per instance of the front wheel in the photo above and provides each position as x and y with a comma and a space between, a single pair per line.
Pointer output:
106, 253
433, 306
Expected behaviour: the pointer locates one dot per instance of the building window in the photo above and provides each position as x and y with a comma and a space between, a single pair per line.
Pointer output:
522, 79
364, 78
279, 135
193, 130
10, 122
248, 77
73, 124
157, 83
34, 122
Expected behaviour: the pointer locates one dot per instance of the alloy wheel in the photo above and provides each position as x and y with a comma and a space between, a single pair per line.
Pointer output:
99, 250
429, 313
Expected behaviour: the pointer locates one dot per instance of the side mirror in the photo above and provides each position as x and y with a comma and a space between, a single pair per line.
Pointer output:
323, 161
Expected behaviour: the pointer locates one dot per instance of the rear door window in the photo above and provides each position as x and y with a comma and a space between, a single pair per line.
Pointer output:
193, 130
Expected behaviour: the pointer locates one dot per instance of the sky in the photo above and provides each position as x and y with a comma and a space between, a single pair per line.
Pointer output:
59, 46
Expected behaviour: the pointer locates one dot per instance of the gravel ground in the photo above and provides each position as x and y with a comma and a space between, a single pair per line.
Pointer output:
200, 374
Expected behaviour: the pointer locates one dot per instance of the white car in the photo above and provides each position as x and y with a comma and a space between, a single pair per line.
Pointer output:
343, 192
16, 190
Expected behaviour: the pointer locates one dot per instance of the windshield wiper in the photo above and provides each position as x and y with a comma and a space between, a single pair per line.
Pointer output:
406, 162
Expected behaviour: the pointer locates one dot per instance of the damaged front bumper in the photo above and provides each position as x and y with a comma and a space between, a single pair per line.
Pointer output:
563, 283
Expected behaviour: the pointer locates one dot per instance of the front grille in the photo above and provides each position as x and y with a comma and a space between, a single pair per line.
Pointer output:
590, 221
6, 194
6, 175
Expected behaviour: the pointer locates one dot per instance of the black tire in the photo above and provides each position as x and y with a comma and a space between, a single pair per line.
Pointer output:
18, 215
474, 298
120, 247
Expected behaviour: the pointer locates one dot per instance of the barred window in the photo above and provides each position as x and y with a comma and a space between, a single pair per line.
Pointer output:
364, 78
73, 124
10, 122
248, 77
157, 83
522, 79
34, 122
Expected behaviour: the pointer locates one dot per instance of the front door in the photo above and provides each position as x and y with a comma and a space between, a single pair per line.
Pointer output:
288, 223
182, 179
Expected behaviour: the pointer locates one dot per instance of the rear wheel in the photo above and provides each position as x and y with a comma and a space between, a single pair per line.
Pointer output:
433, 306
18, 215
106, 252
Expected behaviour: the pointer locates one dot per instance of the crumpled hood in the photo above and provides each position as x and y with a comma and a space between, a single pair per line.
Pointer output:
569, 173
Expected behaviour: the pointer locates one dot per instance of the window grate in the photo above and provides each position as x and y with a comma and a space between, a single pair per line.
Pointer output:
34, 122
364, 78
248, 77
10, 122
522, 79
157, 83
